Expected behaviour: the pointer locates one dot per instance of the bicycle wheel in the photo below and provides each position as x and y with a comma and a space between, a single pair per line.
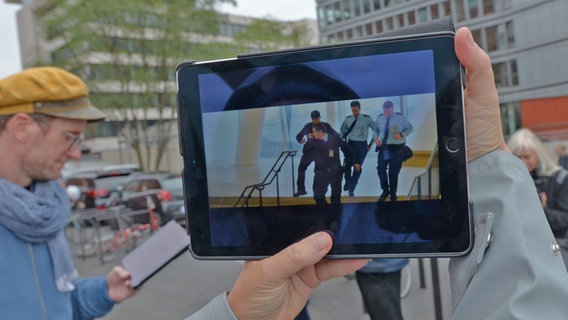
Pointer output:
80, 231
405, 280
114, 244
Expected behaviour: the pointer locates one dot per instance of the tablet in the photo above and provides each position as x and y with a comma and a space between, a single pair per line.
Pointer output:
155, 253
240, 121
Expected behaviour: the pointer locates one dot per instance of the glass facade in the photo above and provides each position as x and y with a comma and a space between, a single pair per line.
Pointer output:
490, 21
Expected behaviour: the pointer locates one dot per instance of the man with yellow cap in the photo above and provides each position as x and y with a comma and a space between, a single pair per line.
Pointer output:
43, 113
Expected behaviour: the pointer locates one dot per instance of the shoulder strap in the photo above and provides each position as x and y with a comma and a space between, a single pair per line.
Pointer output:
349, 129
561, 176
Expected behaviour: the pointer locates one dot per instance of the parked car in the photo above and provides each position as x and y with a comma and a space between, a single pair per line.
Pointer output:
97, 184
165, 190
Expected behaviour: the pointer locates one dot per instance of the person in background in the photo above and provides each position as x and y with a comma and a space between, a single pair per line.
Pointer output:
394, 128
305, 137
562, 156
355, 130
43, 113
513, 270
551, 182
379, 283
328, 166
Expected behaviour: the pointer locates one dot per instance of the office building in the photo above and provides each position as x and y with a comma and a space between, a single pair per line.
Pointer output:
527, 41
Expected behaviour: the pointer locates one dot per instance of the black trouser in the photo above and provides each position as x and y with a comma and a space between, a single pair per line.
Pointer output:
324, 178
359, 149
381, 294
305, 161
389, 181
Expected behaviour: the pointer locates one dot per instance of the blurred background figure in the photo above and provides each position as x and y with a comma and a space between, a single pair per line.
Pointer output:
379, 283
562, 156
551, 182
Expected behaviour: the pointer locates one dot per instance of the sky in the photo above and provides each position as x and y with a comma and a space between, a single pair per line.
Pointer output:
10, 61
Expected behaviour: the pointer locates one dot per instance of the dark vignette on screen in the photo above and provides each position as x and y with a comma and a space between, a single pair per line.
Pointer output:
235, 102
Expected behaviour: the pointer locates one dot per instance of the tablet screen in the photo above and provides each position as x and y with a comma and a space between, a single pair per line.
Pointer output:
271, 150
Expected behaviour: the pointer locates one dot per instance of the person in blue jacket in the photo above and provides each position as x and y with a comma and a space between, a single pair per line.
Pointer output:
514, 271
43, 113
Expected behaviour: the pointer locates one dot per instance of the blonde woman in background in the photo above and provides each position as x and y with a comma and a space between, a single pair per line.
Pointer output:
551, 182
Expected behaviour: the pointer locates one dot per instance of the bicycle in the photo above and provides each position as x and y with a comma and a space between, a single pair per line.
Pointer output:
125, 239
80, 231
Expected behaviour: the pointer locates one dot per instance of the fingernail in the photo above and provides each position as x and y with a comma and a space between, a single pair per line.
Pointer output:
320, 242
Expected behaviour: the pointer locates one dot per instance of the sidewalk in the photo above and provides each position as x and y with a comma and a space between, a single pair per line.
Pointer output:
186, 284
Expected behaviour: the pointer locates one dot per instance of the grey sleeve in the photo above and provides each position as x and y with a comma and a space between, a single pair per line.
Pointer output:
519, 275
216, 309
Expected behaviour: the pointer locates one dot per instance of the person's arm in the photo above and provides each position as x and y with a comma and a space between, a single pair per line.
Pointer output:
90, 298
94, 297
301, 134
518, 274
406, 127
278, 287
557, 212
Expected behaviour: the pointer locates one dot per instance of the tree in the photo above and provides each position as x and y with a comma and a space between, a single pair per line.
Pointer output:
127, 52
271, 34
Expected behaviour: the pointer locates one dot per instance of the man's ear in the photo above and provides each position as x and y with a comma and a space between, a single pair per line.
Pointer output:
21, 127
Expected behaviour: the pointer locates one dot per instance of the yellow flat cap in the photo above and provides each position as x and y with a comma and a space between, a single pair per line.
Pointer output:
47, 90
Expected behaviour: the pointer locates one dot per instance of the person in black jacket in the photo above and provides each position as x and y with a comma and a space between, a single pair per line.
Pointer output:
305, 137
551, 182
328, 169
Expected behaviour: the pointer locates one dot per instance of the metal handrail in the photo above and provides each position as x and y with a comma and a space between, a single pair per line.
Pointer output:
272, 175
417, 181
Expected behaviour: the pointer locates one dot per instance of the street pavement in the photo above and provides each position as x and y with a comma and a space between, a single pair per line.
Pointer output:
186, 284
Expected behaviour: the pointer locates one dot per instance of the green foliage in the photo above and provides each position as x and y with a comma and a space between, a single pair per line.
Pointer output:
267, 34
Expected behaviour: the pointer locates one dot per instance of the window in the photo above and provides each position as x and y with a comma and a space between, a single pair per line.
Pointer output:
337, 11
366, 6
488, 7
476, 36
434, 12
376, 4
400, 20
447, 8
379, 26
514, 73
492, 38
510, 34
329, 16
358, 32
500, 72
411, 17
473, 9
349, 34
356, 7
347, 14
422, 15
460, 10
506, 74
389, 25
369, 29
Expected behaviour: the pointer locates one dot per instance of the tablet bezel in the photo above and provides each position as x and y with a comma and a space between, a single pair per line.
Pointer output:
454, 240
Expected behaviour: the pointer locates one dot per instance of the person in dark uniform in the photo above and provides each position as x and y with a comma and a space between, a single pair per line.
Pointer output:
393, 129
355, 130
305, 137
328, 163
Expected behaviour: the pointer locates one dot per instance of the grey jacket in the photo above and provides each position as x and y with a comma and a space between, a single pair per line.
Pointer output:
515, 275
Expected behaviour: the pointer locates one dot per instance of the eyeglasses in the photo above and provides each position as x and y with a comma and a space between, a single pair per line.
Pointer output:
75, 140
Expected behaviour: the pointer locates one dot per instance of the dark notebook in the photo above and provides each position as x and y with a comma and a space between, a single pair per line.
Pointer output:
155, 253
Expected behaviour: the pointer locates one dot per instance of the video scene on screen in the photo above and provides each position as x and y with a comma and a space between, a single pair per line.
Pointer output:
300, 160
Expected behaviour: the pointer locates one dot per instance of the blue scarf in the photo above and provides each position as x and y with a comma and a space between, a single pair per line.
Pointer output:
38, 216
